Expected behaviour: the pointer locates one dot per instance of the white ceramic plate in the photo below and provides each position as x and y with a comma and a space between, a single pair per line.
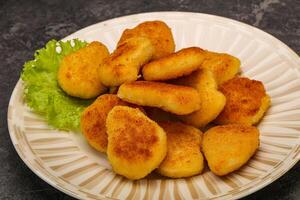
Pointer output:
65, 161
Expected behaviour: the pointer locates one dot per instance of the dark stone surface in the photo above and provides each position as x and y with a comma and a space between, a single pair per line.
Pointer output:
26, 25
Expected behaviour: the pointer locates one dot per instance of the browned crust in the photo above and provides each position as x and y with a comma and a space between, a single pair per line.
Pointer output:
228, 147
173, 98
93, 120
157, 86
133, 135
158, 32
182, 136
183, 155
243, 100
77, 74
224, 66
124, 63
175, 65
234, 128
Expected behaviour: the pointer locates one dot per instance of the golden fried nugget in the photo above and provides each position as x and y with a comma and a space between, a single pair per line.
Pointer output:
176, 99
93, 120
224, 66
246, 101
124, 63
228, 147
175, 65
78, 71
212, 101
200, 79
158, 32
184, 157
136, 144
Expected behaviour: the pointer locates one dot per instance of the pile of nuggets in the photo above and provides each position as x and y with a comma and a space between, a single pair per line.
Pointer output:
157, 102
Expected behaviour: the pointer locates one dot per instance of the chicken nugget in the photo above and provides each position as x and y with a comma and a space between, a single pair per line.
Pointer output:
212, 101
158, 32
175, 65
224, 66
78, 71
93, 120
246, 101
136, 144
184, 157
228, 147
124, 63
176, 99
200, 79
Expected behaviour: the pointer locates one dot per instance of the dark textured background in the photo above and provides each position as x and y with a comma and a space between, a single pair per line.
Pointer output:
26, 25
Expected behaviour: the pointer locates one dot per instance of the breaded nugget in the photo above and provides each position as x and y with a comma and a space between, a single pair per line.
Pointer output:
124, 63
184, 157
136, 144
200, 79
224, 66
176, 99
158, 32
212, 101
78, 71
175, 65
228, 147
93, 120
246, 101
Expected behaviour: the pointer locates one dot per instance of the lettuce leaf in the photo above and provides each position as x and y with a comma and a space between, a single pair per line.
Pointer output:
42, 92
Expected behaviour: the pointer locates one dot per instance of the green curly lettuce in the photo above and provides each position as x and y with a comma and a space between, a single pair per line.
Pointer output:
42, 92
